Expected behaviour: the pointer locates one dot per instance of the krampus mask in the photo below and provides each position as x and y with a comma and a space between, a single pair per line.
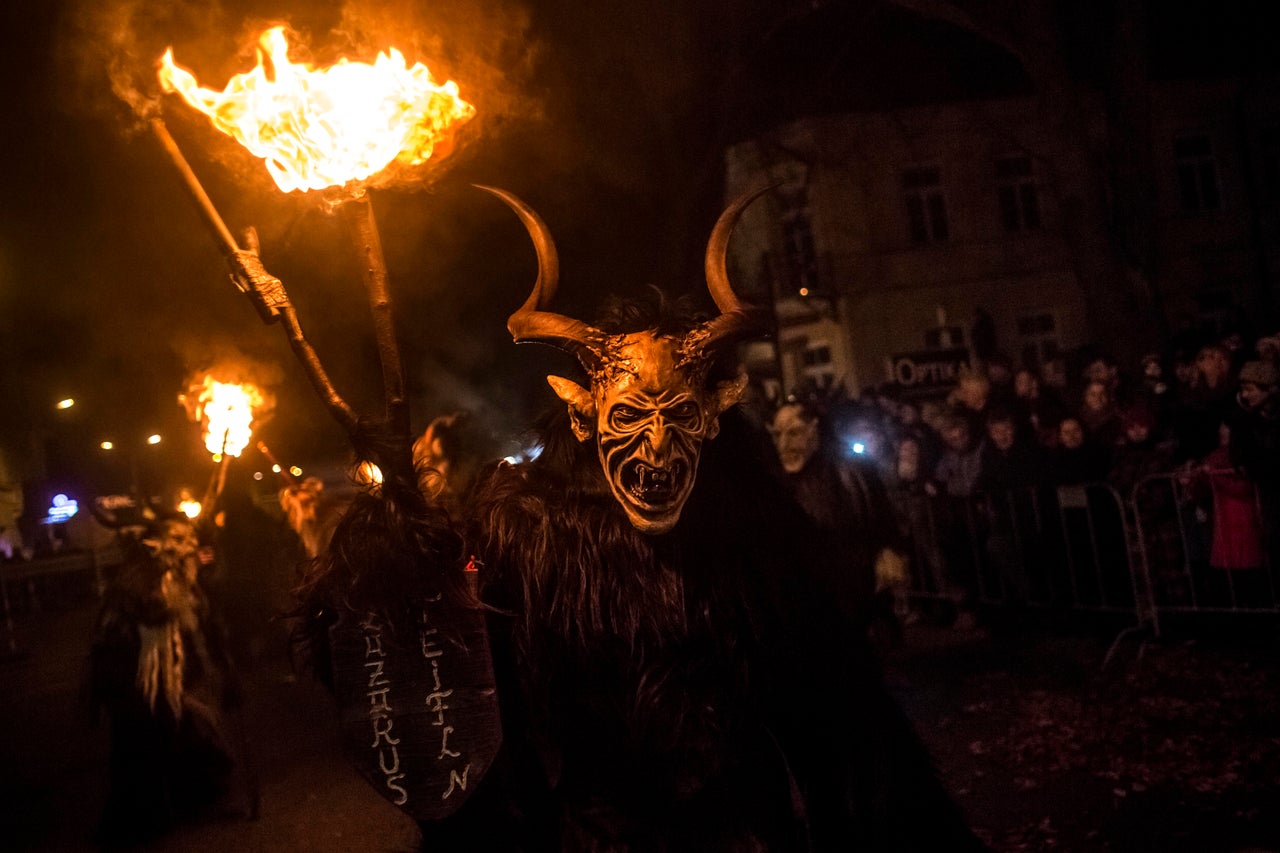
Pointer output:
650, 405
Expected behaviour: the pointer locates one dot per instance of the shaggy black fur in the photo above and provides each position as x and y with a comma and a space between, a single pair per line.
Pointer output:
692, 691
391, 550
689, 691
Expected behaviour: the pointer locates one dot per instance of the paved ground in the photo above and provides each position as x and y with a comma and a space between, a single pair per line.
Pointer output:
1174, 746
53, 785
1176, 749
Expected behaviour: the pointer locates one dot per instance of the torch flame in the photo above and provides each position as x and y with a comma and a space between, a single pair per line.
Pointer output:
227, 412
319, 128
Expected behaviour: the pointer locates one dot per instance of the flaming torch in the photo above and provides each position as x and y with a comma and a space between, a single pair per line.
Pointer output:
341, 130
227, 412
325, 129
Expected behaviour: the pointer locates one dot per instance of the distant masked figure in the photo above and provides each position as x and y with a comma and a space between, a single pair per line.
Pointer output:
850, 505
159, 670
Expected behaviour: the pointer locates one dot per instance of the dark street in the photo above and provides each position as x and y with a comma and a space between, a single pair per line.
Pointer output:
584, 383
1172, 747
57, 759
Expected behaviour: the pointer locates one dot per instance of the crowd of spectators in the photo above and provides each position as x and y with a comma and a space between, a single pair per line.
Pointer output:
1195, 432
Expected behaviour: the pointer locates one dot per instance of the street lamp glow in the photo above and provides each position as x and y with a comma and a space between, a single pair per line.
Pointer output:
107, 445
66, 404
295, 471
154, 438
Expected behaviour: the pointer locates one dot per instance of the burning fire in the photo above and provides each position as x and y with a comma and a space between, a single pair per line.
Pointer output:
319, 128
227, 412
188, 505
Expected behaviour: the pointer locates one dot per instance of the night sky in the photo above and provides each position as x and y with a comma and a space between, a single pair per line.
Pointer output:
609, 118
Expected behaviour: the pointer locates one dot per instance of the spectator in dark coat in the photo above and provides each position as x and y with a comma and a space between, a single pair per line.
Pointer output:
961, 462
1009, 460
1037, 410
909, 488
1098, 413
911, 426
1011, 468
1152, 390
1000, 375
1255, 440
1255, 443
957, 478
1150, 501
1204, 404
970, 400
1139, 453
1078, 459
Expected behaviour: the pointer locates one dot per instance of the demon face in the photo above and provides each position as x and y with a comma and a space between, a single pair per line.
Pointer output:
650, 406
649, 411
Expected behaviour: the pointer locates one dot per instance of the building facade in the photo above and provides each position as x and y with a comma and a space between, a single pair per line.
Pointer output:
896, 246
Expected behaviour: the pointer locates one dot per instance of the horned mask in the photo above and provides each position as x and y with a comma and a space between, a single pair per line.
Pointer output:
650, 405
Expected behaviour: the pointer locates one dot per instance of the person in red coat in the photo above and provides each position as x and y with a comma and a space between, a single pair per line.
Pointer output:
1236, 552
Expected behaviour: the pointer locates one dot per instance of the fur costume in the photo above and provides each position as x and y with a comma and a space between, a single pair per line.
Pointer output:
159, 670
670, 674
693, 690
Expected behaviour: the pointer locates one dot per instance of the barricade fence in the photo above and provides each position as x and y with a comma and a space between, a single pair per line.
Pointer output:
26, 587
1184, 541
1207, 542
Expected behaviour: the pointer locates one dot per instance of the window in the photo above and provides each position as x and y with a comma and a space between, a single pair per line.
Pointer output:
926, 208
1016, 192
797, 236
816, 355
1198, 188
817, 365
1039, 335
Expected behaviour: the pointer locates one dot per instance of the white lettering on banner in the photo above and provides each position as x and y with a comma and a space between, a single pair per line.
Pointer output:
432, 652
909, 371
455, 779
380, 710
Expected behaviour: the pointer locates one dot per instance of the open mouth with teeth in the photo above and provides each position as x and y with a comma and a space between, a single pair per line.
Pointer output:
651, 486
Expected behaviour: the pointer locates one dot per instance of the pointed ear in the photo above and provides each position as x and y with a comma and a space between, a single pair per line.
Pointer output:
582, 408
724, 395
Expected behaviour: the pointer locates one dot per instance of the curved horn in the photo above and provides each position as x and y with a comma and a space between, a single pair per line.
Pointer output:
531, 322
717, 251
736, 318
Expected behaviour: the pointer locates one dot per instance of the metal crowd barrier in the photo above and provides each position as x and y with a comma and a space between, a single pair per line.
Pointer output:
23, 583
1188, 541
1062, 547
1205, 543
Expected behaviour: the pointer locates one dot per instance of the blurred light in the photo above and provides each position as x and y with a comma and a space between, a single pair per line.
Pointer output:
107, 445
295, 471
62, 509
804, 291
369, 474
66, 404
217, 457
257, 475
529, 454
154, 438
191, 509
275, 469
858, 447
